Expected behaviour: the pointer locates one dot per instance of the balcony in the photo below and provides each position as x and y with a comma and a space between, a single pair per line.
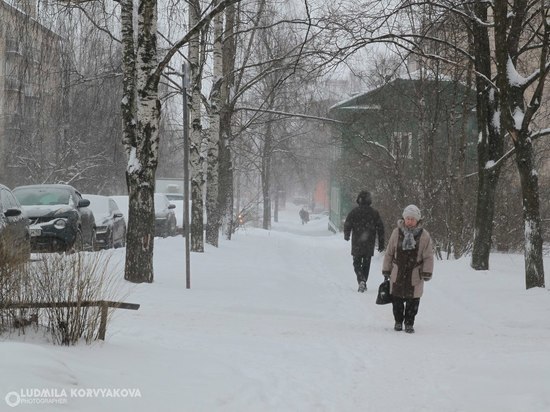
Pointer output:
13, 47
13, 84
13, 122
31, 90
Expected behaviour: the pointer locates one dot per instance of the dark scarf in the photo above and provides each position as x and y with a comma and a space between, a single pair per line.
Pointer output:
409, 237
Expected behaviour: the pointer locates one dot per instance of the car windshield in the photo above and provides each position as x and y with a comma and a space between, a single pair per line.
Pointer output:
98, 204
42, 196
161, 202
174, 196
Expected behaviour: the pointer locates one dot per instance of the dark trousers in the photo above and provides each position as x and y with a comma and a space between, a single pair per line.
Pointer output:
361, 265
405, 309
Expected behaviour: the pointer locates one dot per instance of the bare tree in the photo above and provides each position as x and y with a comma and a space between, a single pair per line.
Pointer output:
511, 35
67, 120
212, 209
196, 158
141, 114
490, 147
519, 37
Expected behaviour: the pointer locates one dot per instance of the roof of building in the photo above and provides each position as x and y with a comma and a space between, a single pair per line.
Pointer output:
373, 99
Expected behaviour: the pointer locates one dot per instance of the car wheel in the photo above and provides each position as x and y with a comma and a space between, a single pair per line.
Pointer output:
111, 242
93, 244
97, 246
174, 229
78, 244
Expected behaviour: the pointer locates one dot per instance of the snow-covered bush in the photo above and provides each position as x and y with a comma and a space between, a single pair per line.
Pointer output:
58, 278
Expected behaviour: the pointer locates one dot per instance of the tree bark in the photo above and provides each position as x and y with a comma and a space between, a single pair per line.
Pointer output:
458, 185
225, 187
490, 146
142, 147
195, 134
534, 270
226, 184
516, 120
212, 210
266, 173
140, 108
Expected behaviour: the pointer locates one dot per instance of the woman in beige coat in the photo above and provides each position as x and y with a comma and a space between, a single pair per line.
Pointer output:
408, 263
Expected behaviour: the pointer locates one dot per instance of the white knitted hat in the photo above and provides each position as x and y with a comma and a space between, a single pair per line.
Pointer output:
412, 211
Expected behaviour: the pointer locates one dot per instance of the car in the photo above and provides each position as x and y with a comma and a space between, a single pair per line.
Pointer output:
165, 217
14, 228
300, 200
60, 220
110, 228
122, 203
177, 200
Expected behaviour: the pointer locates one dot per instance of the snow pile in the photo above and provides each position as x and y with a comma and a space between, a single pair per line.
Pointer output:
273, 322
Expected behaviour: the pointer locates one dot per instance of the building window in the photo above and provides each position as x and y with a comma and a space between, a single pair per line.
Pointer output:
401, 145
13, 45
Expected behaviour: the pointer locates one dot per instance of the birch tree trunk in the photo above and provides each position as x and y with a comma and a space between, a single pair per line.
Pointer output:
225, 187
266, 172
141, 141
141, 115
226, 184
195, 134
212, 209
128, 103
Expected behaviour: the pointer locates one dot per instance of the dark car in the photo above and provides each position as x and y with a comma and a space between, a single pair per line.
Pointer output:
110, 228
165, 217
14, 228
59, 217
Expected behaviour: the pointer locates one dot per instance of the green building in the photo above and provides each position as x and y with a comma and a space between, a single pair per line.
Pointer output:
405, 142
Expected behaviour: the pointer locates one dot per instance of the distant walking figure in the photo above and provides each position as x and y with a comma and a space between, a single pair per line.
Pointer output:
304, 215
364, 224
408, 263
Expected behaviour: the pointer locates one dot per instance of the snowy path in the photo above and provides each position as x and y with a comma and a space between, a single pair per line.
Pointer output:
290, 331
273, 322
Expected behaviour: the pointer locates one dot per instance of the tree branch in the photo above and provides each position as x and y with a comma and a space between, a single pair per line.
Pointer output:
286, 114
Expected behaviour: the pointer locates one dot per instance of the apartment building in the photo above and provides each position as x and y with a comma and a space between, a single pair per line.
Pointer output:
30, 92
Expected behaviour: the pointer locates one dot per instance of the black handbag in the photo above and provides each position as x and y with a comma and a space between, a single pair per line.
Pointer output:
384, 296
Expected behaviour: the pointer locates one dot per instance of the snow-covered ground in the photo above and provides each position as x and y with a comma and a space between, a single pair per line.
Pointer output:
273, 322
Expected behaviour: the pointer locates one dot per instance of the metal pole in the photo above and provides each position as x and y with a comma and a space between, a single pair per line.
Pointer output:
185, 82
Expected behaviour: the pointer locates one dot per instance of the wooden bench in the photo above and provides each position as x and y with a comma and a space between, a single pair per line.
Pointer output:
103, 304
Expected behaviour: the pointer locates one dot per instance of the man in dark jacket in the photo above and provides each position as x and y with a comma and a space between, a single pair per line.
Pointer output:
364, 224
